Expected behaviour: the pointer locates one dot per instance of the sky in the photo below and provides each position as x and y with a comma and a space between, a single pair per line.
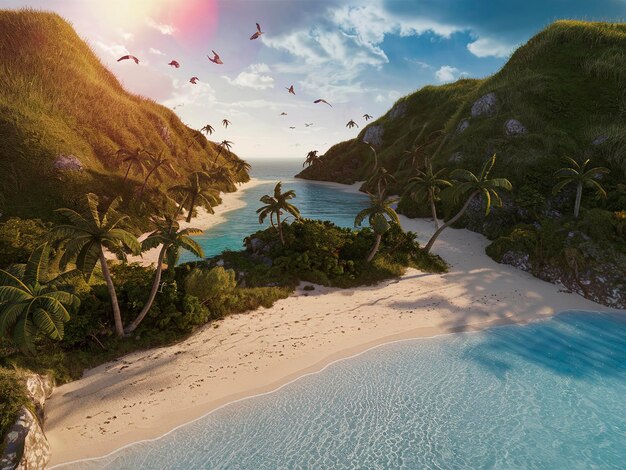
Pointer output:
360, 56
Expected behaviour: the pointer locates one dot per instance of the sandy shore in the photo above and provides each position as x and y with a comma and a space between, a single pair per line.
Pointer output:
203, 219
146, 394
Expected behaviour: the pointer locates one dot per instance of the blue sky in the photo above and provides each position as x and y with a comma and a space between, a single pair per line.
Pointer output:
359, 55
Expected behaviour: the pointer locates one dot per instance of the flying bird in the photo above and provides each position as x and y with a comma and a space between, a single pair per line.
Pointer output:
225, 122
194, 80
323, 101
174, 63
283, 113
208, 129
308, 125
352, 124
292, 127
367, 117
126, 57
258, 32
290, 90
216, 58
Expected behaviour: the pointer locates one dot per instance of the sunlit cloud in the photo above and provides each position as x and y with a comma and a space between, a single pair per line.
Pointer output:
253, 77
489, 47
447, 73
154, 51
161, 27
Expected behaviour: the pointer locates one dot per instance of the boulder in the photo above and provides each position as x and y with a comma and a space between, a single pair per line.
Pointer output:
39, 389
25, 445
398, 110
374, 135
485, 105
456, 157
67, 163
514, 127
599, 140
463, 125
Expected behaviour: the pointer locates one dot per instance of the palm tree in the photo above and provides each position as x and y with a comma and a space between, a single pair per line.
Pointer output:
311, 158
468, 183
374, 151
225, 122
157, 164
381, 179
426, 186
208, 129
379, 214
224, 144
31, 302
240, 166
275, 205
223, 177
88, 235
134, 159
351, 124
193, 193
578, 174
168, 235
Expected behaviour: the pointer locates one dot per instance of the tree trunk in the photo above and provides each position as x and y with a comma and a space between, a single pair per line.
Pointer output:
145, 182
280, 228
117, 316
126, 175
217, 156
431, 242
153, 292
579, 194
191, 206
433, 208
374, 248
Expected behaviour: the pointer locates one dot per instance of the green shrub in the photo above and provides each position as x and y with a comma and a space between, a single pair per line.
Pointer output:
13, 397
19, 238
213, 287
522, 238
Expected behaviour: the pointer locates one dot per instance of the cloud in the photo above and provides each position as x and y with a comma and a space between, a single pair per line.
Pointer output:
489, 47
388, 98
253, 77
161, 27
446, 74
114, 50
154, 51
191, 95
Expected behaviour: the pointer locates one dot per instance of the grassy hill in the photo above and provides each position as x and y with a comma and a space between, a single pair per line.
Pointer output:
566, 86
56, 98
561, 94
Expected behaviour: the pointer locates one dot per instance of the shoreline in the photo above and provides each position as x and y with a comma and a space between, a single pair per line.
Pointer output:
203, 220
257, 352
315, 371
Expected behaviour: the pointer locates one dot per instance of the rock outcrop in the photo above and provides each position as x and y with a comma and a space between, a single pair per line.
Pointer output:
67, 163
514, 127
399, 110
485, 105
463, 125
374, 135
25, 445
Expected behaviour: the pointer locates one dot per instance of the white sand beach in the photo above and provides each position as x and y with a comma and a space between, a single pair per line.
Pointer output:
146, 394
203, 219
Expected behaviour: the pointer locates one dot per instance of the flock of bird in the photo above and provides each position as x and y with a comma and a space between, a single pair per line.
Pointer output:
218, 61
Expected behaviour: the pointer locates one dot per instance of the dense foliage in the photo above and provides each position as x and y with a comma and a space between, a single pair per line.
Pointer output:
53, 105
13, 397
323, 253
563, 92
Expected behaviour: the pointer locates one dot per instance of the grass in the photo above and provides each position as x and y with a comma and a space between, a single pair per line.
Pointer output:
56, 97
567, 85
13, 396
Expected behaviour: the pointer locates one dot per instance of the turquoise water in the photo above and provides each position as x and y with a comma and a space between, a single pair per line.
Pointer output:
549, 395
314, 200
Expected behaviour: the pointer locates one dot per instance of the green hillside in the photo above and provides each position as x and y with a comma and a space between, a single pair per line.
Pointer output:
567, 86
57, 99
561, 94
